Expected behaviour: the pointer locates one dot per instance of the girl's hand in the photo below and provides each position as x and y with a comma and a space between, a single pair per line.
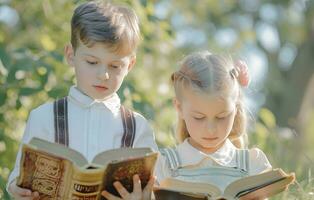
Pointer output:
137, 193
21, 193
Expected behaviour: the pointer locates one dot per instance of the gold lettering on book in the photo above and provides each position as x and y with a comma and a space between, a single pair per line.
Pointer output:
89, 197
48, 166
44, 186
46, 175
85, 188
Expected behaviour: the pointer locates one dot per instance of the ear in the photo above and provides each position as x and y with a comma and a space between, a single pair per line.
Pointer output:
69, 54
178, 106
132, 62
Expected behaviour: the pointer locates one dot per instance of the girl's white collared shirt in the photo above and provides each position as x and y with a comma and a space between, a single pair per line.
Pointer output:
94, 126
225, 156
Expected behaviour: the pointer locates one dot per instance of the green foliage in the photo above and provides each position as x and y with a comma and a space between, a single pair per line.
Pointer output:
283, 149
33, 71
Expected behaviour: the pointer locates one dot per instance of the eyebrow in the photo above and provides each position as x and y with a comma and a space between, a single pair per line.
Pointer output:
114, 61
118, 61
225, 111
90, 55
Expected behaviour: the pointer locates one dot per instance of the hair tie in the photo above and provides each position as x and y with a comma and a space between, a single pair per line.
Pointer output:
183, 74
175, 75
187, 77
234, 73
241, 73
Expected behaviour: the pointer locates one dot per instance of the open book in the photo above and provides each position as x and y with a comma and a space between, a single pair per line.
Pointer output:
258, 186
58, 172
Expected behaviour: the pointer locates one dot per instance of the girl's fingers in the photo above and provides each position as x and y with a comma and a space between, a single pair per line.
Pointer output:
122, 191
137, 188
109, 196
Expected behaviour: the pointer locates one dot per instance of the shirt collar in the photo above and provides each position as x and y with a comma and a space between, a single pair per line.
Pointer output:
112, 103
191, 156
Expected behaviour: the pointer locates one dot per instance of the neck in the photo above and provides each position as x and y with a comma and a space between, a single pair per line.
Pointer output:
206, 150
103, 99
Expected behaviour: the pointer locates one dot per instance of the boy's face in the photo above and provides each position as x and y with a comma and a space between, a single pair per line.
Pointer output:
99, 72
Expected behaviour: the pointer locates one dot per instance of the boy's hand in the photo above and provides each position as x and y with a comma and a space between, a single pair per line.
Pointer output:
21, 193
137, 193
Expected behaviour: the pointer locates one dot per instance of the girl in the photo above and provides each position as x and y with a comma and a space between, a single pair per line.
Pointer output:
211, 125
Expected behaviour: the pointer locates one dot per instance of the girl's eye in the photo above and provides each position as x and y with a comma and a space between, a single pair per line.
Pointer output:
92, 62
199, 118
222, 117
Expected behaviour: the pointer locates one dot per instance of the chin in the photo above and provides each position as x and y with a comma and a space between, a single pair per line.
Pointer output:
211, 144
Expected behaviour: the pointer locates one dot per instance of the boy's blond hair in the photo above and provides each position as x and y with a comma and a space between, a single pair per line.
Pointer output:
209, 74
113, 25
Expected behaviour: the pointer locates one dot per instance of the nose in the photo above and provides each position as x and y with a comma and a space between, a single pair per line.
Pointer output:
103, 74
211, 127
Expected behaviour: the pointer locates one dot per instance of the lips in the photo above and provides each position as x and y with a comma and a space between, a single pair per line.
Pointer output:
210, 139
100, 87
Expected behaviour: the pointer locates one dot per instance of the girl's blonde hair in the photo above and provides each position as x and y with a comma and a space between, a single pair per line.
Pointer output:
208, 73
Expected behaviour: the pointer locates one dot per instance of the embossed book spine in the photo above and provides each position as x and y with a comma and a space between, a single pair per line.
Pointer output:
44, 173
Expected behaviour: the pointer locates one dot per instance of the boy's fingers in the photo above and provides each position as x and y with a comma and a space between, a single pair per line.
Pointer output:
23, 198
122, 191
151, 182
149, 187
137, 188
109, 196
20, 191
35, 196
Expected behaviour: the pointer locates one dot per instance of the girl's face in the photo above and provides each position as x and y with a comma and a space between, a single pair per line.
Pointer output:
208, 119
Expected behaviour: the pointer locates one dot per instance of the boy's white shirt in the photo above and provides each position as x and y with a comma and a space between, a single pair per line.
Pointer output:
94, 126
225, 156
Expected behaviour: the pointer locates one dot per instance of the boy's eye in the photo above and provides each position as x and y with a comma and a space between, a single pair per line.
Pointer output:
91, 62
115, 66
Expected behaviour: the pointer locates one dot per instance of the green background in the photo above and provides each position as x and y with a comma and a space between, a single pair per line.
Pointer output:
276, 38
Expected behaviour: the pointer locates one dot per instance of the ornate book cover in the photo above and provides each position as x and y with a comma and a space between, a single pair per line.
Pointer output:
59, 173
124, 172
43, 173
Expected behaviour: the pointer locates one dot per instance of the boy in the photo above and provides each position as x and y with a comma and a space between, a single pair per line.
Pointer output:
104, 39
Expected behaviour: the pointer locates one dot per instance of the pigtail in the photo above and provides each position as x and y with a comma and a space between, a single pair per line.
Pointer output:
182, 132
238, 134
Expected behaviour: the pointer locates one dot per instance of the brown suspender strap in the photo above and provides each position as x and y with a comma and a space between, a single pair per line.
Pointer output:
60, 109
129, 127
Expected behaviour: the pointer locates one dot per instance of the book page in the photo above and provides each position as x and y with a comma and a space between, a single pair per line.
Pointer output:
172, 184
105, 157
59, 150
267, 191
171, 195
255, 181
